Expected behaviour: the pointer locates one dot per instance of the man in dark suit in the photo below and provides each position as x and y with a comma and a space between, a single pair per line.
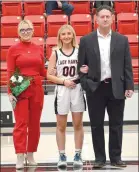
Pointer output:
108, 80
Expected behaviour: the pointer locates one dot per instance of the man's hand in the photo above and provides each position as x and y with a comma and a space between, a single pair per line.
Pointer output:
129, 93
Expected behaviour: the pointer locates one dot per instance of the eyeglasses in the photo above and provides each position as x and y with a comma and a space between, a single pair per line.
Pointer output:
28, 30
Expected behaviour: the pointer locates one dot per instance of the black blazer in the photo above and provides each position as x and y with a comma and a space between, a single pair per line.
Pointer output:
120, 60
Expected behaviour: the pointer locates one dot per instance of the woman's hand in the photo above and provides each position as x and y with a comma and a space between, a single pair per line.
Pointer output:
12, 98
84, 69
69, 84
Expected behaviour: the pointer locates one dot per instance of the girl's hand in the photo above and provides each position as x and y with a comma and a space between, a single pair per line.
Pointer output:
84, 69
69, 84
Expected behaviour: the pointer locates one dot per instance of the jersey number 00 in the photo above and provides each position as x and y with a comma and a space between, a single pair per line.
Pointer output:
69, 71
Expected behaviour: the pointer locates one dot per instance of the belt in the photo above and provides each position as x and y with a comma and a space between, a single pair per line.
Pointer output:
106, 81
77, 81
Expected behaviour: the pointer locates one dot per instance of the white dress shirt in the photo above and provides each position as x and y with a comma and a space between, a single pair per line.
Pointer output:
104, 48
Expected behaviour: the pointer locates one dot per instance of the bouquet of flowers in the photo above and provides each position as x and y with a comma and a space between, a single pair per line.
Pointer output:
19, 83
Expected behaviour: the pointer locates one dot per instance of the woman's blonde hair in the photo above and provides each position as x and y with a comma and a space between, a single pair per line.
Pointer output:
59, 42
21, 25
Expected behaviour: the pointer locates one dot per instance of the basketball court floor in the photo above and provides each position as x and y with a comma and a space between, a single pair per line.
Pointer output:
47, 155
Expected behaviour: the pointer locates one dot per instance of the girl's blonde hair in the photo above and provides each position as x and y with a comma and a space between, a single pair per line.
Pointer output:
59, 42
21, 25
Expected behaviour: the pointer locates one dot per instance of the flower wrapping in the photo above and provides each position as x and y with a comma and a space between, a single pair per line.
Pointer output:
19, 83
20, 88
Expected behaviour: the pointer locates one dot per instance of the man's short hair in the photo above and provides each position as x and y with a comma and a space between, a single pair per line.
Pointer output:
104, 7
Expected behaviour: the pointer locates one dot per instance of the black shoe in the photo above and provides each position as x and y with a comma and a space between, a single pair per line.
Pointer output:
118, 163
99, 164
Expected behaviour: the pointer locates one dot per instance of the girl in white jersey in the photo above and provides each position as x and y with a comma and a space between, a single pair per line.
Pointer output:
68, 93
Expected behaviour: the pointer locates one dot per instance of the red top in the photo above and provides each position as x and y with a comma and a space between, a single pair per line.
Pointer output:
28, 58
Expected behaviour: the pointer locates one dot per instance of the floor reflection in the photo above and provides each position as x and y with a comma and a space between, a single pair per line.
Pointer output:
85, 168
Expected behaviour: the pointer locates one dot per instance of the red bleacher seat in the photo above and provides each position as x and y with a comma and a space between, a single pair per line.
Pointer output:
39, 24
3, 78
82, 23
134, 45
6, 43
50, 43
3, 66
11, 8
96, 25
81, 7
9, 26
125, 7
54, 22
127, 23
34, 7
3, 73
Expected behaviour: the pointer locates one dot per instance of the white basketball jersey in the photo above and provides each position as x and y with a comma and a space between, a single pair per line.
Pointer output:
67, 65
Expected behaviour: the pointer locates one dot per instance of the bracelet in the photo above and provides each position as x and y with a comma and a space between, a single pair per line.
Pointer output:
63, 82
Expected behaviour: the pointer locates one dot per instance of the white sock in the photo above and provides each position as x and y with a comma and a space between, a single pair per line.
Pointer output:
78, 150
62, 151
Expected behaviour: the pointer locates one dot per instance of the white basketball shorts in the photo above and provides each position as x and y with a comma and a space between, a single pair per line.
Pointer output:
68, 99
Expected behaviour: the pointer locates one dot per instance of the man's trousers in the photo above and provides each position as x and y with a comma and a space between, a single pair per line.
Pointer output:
98, 102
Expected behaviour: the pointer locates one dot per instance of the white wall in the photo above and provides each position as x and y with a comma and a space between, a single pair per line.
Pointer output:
48, 115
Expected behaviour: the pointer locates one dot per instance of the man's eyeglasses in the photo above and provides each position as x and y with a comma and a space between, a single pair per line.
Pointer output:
28, 30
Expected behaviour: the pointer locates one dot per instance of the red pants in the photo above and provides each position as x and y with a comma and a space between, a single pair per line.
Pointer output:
27, 113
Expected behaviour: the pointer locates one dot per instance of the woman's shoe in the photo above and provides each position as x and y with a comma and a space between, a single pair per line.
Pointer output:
30, 159
20, 161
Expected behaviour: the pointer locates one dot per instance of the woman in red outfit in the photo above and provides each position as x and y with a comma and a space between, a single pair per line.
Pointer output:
29, 59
